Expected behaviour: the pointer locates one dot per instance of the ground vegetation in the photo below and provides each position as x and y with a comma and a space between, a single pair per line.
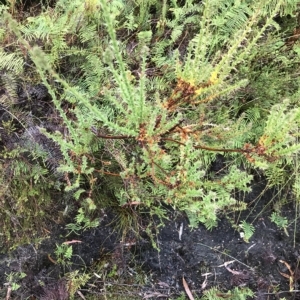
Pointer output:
147, 111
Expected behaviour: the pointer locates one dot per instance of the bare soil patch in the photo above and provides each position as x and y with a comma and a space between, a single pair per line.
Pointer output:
268, 264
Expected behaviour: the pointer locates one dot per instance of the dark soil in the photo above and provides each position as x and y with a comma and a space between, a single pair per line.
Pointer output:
200, 256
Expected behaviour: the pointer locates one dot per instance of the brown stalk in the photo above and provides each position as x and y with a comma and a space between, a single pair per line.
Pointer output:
114, 137
209, 148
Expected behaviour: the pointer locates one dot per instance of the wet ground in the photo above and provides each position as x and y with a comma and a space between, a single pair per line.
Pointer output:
268, 263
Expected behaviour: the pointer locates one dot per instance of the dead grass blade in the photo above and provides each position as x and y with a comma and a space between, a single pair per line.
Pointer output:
187, 289
71, 242
8, 293
156, 295
81, 295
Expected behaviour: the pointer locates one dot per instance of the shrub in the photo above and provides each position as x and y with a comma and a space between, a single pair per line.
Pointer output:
147, 95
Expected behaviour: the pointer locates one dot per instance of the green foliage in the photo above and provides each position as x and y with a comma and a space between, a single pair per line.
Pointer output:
13, 280
25, 189
82, 222
235, 294
280, 221
76, 280
63, 254
147, 94
247, 231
